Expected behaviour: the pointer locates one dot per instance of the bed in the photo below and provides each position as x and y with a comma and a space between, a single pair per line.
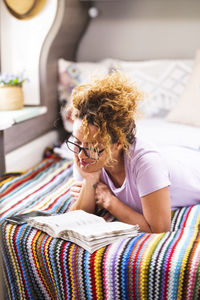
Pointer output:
148, 266
37, 266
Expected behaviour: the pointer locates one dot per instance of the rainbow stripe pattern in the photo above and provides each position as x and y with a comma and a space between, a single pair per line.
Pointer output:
37, 266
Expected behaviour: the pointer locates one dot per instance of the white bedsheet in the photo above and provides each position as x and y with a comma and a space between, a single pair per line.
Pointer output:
161, 132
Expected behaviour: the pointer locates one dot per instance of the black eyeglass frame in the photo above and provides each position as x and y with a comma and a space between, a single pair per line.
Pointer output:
84, 149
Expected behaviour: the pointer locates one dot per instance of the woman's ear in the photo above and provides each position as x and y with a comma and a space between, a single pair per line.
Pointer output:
118, 146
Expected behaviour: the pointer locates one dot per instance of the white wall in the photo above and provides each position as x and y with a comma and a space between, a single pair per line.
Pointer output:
30, 154
142, 30
21, 42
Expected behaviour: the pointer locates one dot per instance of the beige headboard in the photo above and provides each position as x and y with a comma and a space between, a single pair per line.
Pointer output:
141, 30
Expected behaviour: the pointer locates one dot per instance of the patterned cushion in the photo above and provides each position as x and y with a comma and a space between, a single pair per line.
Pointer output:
187, 110
162, 82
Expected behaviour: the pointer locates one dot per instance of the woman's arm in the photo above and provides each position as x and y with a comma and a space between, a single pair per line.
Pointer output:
83, 193
86, 198
157, 210
156, 215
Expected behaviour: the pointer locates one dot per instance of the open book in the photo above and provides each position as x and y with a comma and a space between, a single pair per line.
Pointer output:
86, 230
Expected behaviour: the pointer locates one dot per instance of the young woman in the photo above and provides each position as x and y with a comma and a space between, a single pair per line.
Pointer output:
116, 170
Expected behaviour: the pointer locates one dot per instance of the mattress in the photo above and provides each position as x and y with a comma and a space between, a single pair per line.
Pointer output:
37, 266
163, 133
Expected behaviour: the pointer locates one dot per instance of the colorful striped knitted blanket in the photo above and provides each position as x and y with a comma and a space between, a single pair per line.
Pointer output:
37, 266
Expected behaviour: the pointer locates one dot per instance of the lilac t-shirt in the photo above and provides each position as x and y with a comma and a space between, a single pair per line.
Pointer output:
149, 169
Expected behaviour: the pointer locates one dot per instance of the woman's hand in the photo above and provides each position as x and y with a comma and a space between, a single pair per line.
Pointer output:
76, 189
92, 177
103, 196
83, 192
156, 215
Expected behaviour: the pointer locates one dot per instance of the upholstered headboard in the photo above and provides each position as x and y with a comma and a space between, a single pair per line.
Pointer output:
136, 30
142, 30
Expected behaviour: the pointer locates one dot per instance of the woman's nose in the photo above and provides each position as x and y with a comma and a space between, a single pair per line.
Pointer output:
82, 155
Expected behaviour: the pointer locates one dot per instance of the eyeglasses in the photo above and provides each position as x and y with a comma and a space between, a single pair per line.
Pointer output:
90, 152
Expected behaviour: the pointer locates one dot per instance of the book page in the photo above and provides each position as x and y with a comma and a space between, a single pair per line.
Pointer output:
99, 230
66, 222
86, 230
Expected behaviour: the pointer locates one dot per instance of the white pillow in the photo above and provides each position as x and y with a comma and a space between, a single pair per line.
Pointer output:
162, 82
72, 74
187, 110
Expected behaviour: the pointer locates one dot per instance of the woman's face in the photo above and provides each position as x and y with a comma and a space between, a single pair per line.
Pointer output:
82, 160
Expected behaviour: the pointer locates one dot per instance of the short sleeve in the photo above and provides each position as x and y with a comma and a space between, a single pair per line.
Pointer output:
151, 174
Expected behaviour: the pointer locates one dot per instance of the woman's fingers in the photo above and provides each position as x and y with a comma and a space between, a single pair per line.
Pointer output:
77, 183
75, 196
76, 189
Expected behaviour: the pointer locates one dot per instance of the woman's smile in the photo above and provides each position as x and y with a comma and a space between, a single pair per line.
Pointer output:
84, 163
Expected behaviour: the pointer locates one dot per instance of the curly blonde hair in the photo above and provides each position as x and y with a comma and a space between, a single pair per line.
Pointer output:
110, 105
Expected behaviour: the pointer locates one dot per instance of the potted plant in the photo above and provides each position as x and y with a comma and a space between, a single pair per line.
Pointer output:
11, 92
